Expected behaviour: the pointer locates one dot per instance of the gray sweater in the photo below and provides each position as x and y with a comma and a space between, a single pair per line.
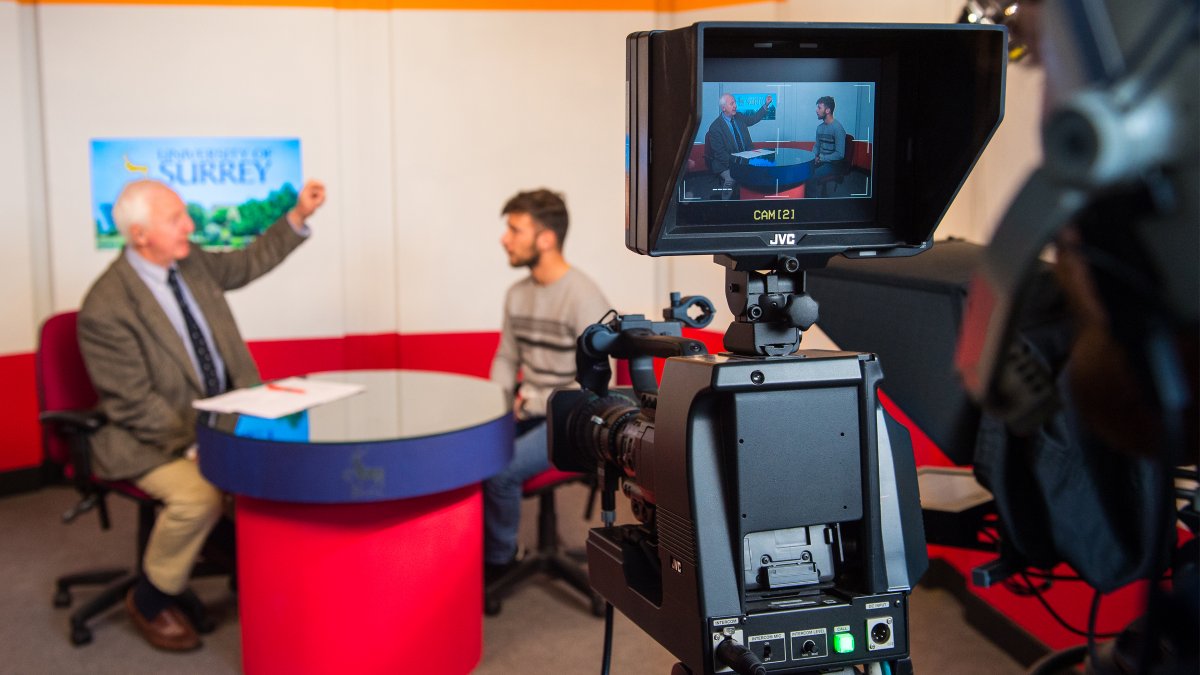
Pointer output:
541, 324
831, 141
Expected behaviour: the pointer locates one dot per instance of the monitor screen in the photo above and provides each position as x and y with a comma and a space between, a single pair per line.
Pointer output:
782, 140
795, 136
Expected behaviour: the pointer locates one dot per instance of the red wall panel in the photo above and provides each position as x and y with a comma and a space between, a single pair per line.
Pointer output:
20, 434
466, 353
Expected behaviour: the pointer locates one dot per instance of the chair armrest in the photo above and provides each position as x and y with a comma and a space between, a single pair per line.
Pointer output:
74, 421
76, 427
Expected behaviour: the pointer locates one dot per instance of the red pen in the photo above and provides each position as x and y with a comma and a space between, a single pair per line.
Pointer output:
279, 387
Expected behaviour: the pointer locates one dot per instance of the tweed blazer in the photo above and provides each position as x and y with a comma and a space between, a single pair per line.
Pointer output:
719, 144
139, 364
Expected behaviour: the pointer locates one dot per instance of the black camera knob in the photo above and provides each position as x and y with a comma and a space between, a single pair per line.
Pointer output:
802, 311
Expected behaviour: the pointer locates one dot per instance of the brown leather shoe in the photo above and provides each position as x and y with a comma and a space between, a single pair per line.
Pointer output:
170, 630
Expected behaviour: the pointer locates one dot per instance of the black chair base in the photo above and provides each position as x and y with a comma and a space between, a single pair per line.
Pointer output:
554, 564
548, 559
62, 585
116, 583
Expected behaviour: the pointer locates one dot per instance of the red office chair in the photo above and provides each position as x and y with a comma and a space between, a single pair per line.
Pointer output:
549, 558
67, 403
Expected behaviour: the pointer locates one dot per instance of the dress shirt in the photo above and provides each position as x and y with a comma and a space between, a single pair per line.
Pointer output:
155, 278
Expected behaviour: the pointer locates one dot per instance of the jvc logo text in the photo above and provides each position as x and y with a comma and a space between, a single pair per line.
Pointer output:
783, 239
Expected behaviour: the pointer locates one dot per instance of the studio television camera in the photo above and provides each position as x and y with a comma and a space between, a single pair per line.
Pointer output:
779, 526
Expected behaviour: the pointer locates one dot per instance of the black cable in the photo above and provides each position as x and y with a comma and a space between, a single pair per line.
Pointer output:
1030, 589
606, 661
1091, 634
1057, 617
1027, 588
1035, 573
608, 507
739, 658
1038, 574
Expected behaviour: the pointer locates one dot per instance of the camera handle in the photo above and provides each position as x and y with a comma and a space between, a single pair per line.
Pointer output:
771, 310
639, 340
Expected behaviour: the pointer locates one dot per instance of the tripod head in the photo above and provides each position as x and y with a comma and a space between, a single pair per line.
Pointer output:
771, 308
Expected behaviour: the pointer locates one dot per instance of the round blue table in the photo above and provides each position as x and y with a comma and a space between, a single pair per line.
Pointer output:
362, 522
781, 168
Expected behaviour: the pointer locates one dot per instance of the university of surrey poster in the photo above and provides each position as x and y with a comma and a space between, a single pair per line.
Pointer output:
234, 188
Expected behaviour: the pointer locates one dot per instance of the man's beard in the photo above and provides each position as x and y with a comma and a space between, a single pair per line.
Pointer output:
530, 262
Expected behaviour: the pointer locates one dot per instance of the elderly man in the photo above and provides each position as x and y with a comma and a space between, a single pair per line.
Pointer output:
156, 334
729, 133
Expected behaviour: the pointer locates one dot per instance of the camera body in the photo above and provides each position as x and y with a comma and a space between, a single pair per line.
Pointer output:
779, 507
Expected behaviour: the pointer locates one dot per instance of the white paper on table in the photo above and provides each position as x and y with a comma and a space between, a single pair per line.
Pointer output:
751, 154
278, 399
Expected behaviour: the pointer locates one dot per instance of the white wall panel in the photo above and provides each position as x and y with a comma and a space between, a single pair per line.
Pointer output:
489, 103
19, 323
876, 11
421, 122
366, 198
143, 71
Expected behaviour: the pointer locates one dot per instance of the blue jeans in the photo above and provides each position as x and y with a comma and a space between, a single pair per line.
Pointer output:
823, 172
502, 495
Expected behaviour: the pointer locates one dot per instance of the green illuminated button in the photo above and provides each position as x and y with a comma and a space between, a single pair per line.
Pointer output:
843, 643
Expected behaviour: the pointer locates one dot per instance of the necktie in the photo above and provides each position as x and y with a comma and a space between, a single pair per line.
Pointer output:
737, 135
208, 370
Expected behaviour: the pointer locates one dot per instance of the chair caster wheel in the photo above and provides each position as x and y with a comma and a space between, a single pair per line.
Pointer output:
62, 598
597, 605
491, 606
80, 635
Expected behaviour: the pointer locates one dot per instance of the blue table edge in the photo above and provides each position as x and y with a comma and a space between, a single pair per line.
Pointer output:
354, 472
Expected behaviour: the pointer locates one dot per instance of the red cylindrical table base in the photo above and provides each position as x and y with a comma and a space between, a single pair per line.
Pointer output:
366, 588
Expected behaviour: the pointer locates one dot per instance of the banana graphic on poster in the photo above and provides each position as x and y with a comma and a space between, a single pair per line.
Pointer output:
135, 168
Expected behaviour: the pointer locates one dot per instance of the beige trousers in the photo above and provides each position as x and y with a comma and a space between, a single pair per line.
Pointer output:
191, 508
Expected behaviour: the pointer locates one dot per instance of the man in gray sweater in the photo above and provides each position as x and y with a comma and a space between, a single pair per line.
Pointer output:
543, 315
829, 147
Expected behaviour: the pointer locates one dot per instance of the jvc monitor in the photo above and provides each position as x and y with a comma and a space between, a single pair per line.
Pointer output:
809, 140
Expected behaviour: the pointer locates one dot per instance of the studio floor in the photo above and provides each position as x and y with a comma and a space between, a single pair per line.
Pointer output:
543, 628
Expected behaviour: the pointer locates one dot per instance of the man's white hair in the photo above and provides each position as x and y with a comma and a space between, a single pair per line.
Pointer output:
133, 205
